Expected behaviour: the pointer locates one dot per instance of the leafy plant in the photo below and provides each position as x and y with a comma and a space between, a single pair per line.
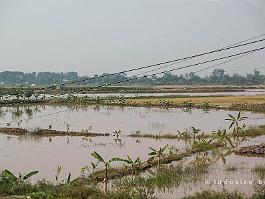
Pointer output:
132, 163
222, 137
138, 132
97, 100
28, 94
185, 134
68, 180
173, 150
194, 132
58, 172
201, 145
157, 154
235, 122
220, 154
206, 104
117, 133
7, 178
106, 164
110, 100
188, 104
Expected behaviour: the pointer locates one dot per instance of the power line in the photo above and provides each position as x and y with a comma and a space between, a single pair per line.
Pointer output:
222, 62
172, 62
188, 66
163, 72
255, 37
166, 62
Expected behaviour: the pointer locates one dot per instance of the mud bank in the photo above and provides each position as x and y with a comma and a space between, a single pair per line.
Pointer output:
47, 132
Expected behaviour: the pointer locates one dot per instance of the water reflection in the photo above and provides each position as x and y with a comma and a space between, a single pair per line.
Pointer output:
33, 152
190, 175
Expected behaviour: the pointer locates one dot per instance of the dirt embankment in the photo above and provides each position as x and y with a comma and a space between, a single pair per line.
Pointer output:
254, 150
48, 132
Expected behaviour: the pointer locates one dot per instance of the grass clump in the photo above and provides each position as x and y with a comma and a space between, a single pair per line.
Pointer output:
222, 195
164, 177
231, 168
215, 195
259, 170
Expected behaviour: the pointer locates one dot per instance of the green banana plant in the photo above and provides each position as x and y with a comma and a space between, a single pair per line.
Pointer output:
68, 180
131, 162
194, 132
106, 164
221, 136
202, 145
221, 155
235, 122
117, 133
157, 154
58, 172
10, 178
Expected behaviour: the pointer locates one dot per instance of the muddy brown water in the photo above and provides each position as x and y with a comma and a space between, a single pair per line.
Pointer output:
218, 178
27, 153
100, 119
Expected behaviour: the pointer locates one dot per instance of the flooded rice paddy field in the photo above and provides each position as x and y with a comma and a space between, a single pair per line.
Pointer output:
104, 119
238, 171
27, 152
237, 174
32, 152
249, 92
246, 92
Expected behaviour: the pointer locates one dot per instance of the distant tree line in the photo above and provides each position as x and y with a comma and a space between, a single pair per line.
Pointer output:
41, 78
218, 76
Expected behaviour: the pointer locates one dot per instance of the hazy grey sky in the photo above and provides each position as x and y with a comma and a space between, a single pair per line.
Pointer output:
108, 36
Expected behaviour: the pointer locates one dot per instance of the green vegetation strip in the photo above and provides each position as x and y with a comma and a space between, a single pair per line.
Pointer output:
223, 195
250, 132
